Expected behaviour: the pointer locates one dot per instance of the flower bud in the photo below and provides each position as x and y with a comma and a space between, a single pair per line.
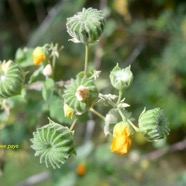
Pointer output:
86, 26
153, 124
122, 138
121, 78
47, 71
38, 55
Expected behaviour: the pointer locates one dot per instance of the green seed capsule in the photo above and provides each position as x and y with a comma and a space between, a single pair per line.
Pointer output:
80, 94
153, 124
11, 79
86, 26
54, 144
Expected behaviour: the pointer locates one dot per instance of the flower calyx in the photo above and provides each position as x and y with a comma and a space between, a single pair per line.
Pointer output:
121, 78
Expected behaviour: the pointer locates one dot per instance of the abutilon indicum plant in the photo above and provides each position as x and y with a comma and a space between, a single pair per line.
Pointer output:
54, 143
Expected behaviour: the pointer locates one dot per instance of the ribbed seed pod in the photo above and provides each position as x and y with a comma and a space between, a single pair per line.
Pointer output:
86, 26
80, 94
54, 144
11, 79
153, 124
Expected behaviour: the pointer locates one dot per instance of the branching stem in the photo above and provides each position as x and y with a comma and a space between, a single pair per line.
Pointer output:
124, 118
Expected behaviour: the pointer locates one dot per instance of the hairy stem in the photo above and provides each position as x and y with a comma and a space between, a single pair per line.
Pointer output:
97, 113
74, 123
86, 58
53, 65
134, 127
120, 96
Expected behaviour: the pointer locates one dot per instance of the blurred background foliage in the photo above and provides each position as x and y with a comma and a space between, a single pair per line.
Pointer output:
149, 35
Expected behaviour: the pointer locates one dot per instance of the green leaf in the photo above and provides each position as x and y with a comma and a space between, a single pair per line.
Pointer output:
56, 110
35, 74
48, 89
24, 57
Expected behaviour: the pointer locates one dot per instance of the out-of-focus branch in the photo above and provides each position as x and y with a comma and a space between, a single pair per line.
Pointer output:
99, 49
40, 11
39, 85
20, 17
103, 4
35, 179
135, 53
161, 152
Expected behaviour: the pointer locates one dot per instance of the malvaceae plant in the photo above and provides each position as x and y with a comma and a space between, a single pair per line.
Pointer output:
54, 143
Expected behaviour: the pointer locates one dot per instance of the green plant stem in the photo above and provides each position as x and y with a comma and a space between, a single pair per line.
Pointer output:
86, 58
134, 127
97, 113
128, 120
120, 96
53, 65
121, 114
74, 123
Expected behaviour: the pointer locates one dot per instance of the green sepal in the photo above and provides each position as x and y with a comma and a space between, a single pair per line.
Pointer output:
91, 74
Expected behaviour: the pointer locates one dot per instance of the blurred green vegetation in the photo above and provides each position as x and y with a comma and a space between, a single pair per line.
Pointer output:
149, 35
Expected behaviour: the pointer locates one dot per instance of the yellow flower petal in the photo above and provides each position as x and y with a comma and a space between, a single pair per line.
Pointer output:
119, 128
81, 169
68, 111
38, 55
121, 141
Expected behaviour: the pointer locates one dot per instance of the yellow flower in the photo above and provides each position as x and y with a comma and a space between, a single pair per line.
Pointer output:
122, 140
38, 55
68, 111
81, 169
